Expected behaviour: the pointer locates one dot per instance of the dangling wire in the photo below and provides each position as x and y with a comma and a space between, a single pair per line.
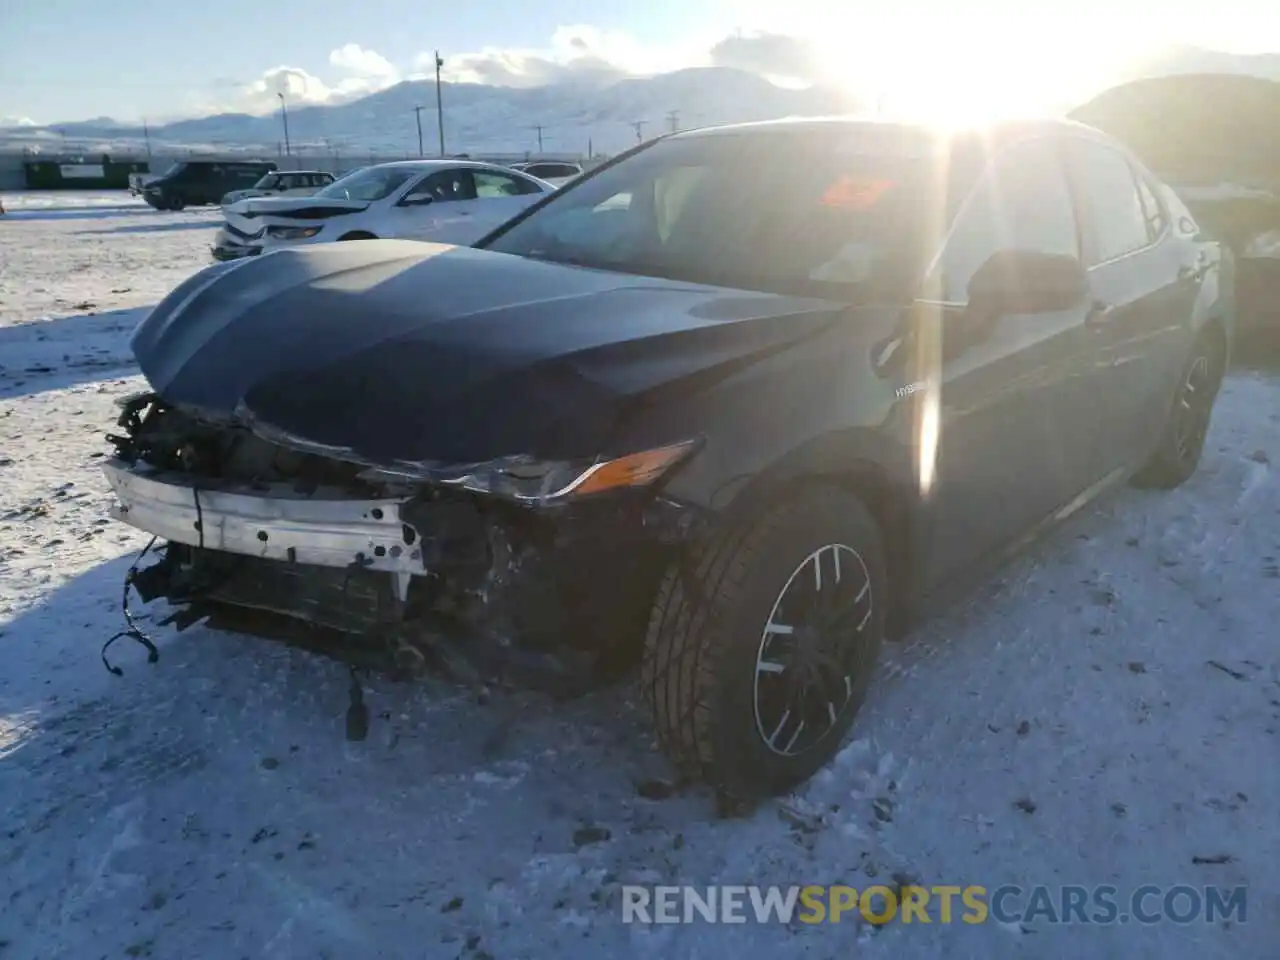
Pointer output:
132, 631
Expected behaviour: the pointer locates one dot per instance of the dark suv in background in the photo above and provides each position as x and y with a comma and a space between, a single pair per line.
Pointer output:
195, 182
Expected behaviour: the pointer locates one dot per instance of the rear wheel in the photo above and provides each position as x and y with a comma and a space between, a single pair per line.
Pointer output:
1182, 442
762, 643
177, 203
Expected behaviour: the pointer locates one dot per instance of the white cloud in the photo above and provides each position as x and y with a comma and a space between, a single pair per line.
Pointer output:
772, 55
359, 71
359, 62
296, 84
577, 52
16, 122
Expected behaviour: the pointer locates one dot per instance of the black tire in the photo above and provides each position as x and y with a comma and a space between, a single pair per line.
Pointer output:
713, 622
177, 203
357, 235
1182, 440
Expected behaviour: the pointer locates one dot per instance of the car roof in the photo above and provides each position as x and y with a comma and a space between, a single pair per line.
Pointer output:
993, 134
307, 172
441, 165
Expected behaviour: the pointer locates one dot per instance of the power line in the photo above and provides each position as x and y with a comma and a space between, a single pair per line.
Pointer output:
439, 103
284, 115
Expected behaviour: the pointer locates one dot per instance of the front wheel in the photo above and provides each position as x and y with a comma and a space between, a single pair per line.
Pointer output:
357, 235
763, 640
1182, 441
177, 203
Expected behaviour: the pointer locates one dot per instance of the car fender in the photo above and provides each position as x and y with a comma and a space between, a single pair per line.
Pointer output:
876, 467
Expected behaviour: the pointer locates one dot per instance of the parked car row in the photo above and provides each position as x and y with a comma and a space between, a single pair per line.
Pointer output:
740, 403
189, 183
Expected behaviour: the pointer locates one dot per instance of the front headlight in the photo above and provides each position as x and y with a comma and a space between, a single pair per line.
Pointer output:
292, 233
543, 481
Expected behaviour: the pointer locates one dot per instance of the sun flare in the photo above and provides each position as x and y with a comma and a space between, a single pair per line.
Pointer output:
965, 73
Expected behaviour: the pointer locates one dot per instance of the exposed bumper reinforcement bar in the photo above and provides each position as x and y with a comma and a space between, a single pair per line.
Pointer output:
286, 527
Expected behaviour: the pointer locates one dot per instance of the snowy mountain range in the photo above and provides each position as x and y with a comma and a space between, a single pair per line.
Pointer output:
600, 113
487, 119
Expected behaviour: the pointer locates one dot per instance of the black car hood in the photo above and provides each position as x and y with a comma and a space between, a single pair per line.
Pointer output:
403, 351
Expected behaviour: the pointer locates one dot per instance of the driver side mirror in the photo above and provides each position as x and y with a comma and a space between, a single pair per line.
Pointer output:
419, 201
1027, 281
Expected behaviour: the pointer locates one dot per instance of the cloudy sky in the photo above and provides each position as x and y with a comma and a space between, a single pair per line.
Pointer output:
134, 59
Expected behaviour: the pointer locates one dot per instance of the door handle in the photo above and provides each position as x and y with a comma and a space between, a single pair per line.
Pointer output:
1099, 313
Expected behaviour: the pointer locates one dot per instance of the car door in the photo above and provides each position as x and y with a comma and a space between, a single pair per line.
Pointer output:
1144, 285
438, 208
1009, 435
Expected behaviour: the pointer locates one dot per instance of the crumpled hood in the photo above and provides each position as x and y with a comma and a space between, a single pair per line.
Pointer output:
269, 205
404, 351
235, 196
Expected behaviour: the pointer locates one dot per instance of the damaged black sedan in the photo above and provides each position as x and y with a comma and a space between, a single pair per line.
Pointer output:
743, 401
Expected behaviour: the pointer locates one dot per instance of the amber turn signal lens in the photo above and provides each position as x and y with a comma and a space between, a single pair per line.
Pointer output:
633, 470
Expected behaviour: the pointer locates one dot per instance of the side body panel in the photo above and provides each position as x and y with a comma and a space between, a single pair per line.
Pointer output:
1145, 277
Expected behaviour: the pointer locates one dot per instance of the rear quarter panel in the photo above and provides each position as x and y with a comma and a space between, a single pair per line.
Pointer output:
1216, 299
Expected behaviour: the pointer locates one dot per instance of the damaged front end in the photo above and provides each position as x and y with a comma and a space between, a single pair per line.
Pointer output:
536, 574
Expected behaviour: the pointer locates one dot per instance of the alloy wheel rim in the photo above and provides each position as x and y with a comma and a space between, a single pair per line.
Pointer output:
809, 658
1191, 421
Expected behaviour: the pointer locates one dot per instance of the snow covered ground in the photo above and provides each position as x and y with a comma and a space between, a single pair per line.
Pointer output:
1105, 712
41, 205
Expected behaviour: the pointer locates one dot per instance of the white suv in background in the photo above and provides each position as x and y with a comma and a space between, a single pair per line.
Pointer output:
558, 172
283, 183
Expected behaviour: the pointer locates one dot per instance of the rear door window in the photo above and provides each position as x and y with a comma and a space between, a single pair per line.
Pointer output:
1152, 209
491, 183
1118, 221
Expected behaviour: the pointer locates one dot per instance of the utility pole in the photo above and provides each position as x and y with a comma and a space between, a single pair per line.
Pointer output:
417, 113
639, 128
284, 116
146, 136
539, 128
673, 118
439, 103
